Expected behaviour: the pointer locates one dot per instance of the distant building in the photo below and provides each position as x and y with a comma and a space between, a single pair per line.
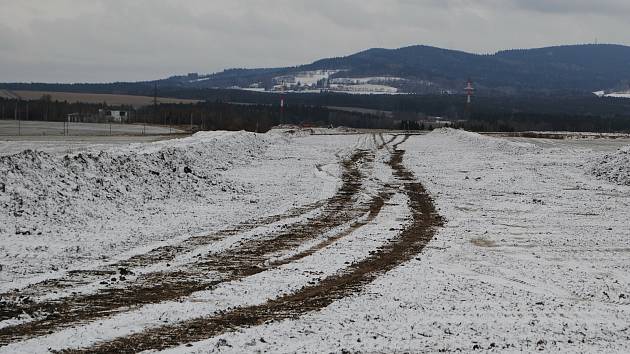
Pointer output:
113, 116
103, 116
75, 117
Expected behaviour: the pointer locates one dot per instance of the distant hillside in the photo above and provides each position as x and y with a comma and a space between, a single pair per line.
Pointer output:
416, 69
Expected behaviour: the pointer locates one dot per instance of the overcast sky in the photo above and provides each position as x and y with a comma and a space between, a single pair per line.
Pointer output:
129, 40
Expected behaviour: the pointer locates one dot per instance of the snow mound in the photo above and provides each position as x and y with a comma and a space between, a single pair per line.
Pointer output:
37, 188
486, 142
614, 167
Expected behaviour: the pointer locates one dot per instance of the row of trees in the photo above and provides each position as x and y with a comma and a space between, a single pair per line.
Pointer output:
201, 116
254, 117
545, 122
487, 114
45, 109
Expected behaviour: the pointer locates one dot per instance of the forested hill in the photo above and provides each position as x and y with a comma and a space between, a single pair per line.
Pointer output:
422, 69
584, 68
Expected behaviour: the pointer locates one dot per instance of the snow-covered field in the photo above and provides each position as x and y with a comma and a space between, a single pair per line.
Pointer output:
619, 94
305, 78
12, 128
533, 253
310, 82
363, 88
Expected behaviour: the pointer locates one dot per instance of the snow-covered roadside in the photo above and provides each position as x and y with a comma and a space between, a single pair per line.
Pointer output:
533, 257
93, 207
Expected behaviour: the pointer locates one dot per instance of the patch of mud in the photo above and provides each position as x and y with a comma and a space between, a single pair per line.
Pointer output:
482, 242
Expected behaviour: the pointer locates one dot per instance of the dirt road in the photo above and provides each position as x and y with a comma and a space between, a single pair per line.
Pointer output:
251, 248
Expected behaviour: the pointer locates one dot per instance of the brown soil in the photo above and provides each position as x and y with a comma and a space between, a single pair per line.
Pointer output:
482, 242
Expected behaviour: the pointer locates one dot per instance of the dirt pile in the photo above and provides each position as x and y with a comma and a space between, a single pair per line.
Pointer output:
36, 186
614, 167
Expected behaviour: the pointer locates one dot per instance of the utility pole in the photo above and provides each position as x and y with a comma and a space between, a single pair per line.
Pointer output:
16, 117
282, 109
282, 104
66, 126
155, 120
191, 122
470, 90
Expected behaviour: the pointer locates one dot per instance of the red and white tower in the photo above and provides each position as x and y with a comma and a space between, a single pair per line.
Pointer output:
470, 91
282, 102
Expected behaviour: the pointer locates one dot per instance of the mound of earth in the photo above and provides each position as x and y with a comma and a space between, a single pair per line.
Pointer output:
614, 167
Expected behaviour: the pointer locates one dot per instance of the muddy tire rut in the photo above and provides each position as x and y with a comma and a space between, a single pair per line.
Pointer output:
208, 270
351, 280
75, 278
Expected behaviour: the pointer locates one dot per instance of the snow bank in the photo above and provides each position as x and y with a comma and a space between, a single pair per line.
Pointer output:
483, 141
37, 188
614, 167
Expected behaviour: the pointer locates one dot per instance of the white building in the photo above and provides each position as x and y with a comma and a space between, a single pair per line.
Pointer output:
113, 116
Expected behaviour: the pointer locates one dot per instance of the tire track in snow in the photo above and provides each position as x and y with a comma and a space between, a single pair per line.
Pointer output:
246, 260
410, 242
18, 302
77, 277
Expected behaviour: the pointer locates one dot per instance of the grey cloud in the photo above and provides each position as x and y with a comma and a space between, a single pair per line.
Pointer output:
109, 40
610, 7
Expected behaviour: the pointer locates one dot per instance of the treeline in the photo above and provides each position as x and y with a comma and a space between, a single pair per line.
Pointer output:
450, 106
496, 113
201, 116
517, 122
254, 117
235, 110
45, 109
